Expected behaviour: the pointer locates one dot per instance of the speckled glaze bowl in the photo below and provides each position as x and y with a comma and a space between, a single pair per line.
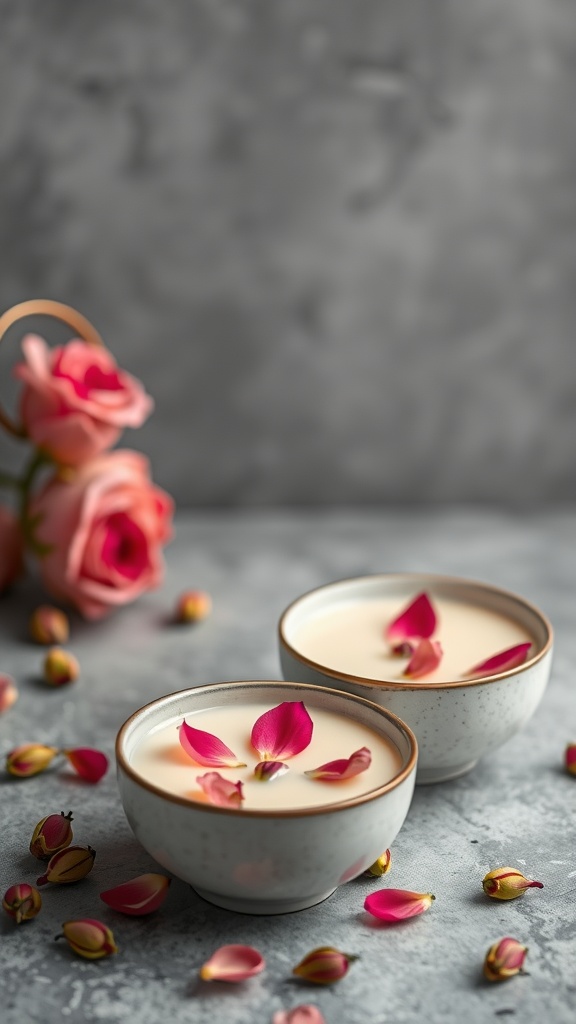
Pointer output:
262, 861
456, 722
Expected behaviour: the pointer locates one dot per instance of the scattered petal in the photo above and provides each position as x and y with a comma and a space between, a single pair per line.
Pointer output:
89, 938
417, 620
68, 865
426, 658
206, 749
48, 625
139, 896
282, 732
60, 667
324, 965
232, 963
397, 904
8, 693
512, 657
52, 833
193, 606
381, 866
304, 1014
220, 791
90, 764
404, 649
570, 758
266, 771
22, 902
345, 768
30, 759
507, 884
504, 959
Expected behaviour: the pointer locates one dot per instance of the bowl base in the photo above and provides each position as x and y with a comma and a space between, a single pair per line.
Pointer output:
428, 776
253, 906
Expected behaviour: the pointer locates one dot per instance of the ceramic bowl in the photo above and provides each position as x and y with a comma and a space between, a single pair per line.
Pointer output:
265, 861
456, 721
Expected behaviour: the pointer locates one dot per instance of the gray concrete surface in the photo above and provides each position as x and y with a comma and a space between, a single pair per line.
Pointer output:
517, 808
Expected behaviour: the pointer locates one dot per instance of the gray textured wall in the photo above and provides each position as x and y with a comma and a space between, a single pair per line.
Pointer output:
335, 238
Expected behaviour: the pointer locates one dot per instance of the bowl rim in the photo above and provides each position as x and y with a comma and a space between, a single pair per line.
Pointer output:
290, 812
395, 684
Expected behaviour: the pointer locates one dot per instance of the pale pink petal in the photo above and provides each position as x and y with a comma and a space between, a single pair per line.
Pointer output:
345, 768
397, 904
417, 620
282, 732
139, 896
220, 791
206, 749
90, 764
512, 657
232, 963
266, 771
304, 1014
426, 658
404, 649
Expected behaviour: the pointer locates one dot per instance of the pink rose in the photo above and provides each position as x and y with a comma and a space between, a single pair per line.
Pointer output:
76, 401
105, 524
11, 548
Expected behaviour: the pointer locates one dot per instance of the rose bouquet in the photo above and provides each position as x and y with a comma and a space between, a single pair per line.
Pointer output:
92, 518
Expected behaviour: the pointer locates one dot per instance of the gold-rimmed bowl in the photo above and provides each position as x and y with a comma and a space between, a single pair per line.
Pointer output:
265, 861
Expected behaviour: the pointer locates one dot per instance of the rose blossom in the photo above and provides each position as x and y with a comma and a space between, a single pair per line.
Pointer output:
10, 548
104, 525
76, 400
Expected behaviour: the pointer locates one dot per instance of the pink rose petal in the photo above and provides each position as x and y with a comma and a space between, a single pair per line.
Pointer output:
426, 658
90, 764
267, 771
139, 896
512, 657
282, 732
232, 963
220, 791
417, 620
344, 768
397, 904
206, 749
304, 1014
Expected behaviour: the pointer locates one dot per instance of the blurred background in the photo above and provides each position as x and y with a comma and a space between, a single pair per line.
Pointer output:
336, 239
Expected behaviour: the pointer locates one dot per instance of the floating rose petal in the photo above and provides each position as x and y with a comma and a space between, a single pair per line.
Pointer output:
417, 620
220, 791
397, 904
266, 771
504, 959
139, 896
206, 749
232, 963
282, 732
90, 764
570, 758
510, 658
507, 883
426, 658
404, 650
304, 1014
324, 965
344, 768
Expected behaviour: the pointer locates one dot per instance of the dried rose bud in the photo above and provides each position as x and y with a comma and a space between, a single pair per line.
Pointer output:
29, 759
570, 758
60, 667
89, 938
51, 834
381, 866
324, 965
22, 902
504, 959
507, 884
8, 693
48, 625
193, 606
68, 865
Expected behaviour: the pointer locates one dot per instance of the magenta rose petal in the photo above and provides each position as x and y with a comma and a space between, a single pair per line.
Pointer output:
512, 657
426, 658
344, 768
282, 732
206, 749
90, 764
397, 904
232, 963
139, 896
221, 792
417, 620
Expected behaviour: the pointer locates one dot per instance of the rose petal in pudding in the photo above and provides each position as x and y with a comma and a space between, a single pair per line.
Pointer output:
221, 792
206, 749
397, 904
344, 768
282, 732
418, 620
426, 658
139, 896
90, 764
232, 963
267, 771
512, 657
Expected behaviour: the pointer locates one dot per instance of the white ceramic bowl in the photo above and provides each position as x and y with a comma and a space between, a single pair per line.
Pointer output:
456, 722
265, 861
